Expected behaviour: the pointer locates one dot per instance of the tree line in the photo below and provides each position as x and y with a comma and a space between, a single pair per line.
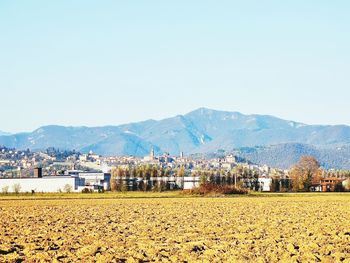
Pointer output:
157, 178
304, 176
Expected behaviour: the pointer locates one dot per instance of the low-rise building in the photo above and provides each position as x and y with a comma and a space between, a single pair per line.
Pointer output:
98, 180
329, 184
265, 184
48, 184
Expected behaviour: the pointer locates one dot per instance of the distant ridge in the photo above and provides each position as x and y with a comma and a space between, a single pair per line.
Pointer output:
200, 131
2, 133
285, 155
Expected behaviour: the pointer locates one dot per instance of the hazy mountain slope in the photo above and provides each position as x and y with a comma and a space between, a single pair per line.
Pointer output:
60, 137
285, 155
2, 133
281, 155
215, 122
175, 135
121, 143
15, 141
232, 129
200, 131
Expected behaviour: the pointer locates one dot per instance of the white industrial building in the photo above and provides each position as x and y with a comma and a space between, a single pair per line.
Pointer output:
48, 184
93, 179
191, 182
265, 184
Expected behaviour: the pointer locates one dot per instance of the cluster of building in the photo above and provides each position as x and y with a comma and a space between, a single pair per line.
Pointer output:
13, 161
74, 172
71, 171
21, 163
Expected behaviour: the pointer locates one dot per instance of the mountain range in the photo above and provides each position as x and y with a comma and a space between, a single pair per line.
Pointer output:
262, 138
4, 133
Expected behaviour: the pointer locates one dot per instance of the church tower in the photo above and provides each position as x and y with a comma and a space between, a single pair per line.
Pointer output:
152, 156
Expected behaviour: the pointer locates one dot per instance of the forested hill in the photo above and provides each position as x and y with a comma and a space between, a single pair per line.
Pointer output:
200, 131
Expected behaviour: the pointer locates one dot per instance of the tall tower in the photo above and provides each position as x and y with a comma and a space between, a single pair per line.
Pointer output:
152, 154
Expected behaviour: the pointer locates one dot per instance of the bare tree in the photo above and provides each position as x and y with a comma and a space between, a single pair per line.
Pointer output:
5, 189
16, 188
68, 188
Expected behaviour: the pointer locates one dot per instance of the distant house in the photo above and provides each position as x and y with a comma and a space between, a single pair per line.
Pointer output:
330, 184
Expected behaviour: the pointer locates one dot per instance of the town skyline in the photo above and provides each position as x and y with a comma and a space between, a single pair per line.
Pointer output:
269, 139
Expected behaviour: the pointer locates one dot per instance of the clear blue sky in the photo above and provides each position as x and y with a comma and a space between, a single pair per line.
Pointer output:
111, 62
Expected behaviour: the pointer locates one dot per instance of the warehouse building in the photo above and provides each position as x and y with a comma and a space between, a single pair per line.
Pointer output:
47, 184
93, 180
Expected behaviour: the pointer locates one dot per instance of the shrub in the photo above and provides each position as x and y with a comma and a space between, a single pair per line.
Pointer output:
339, 187
87, 190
